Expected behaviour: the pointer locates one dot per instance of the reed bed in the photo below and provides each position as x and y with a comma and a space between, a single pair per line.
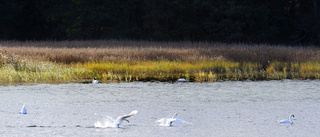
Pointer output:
41, 73
112, 50
118, 61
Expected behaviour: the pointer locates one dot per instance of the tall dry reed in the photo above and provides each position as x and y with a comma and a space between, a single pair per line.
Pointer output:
112, 50
111, 60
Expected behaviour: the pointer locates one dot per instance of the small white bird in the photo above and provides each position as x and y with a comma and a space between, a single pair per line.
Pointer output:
168, 121
287, 121
23, 110
182, 80
116, 122
94, 81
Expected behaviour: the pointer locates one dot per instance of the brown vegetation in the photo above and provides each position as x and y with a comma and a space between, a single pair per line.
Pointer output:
112, 50
116, 61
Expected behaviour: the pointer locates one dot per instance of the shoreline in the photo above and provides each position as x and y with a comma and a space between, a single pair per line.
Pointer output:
48, 72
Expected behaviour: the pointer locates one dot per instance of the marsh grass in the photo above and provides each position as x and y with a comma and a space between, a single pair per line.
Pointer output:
118, 61
111, 50
44, 72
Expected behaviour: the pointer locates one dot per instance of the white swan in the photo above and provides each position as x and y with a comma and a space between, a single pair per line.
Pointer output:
94, 81
168, 121
287, 121
23, 110
115, 122
182, 80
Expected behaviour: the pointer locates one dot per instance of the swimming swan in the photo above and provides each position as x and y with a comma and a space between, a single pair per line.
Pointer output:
94, 81
182, 80
115, 122
168, 121
23, 110
287, 121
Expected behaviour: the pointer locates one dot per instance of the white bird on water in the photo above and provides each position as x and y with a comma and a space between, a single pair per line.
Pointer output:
287, 121
168, 121
115, 122
94, 81
182, 80
23, 110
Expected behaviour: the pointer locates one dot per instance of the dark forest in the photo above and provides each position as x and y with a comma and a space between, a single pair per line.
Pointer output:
263, 21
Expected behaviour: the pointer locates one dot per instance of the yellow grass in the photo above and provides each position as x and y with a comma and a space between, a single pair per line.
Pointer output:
118, 61
42, 72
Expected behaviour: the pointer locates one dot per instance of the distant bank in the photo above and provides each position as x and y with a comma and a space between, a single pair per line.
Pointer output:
127, 61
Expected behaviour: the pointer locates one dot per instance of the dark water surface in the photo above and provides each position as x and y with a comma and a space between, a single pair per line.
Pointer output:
214, 109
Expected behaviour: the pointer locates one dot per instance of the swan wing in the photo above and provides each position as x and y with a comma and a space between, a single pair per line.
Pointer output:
161, 120
165, 122
179, 121
121, 118
106, 117
110, 118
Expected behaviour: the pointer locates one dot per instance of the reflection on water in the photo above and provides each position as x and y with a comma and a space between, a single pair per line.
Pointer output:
218, 109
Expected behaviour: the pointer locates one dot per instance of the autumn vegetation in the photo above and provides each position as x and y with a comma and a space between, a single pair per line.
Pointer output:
127, 61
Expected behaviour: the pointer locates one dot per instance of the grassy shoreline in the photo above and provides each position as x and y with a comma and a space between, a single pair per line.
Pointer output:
127, 61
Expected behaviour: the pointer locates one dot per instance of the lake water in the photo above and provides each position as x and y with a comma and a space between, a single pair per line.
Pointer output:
214, 109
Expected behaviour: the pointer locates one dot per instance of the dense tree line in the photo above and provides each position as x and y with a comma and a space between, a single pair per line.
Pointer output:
272, 21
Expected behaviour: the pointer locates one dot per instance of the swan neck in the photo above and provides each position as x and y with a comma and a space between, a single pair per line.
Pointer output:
290, 118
